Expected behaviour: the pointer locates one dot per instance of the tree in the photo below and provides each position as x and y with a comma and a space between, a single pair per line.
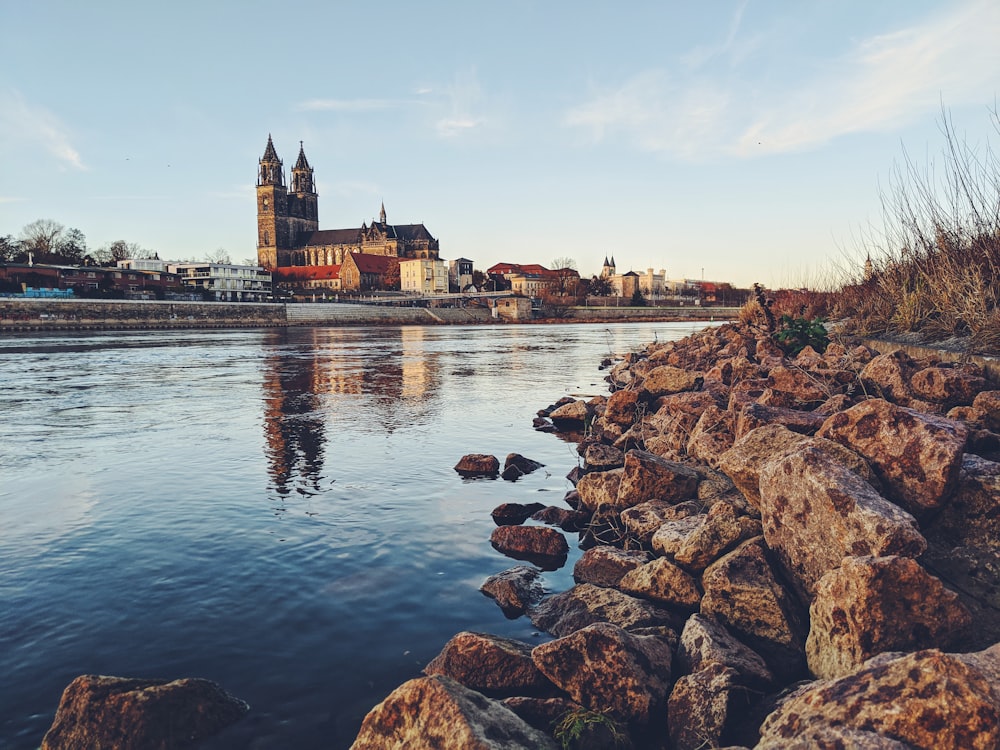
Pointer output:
42, 239
72, 247
9, 248
637, 299
600, 286
219, 255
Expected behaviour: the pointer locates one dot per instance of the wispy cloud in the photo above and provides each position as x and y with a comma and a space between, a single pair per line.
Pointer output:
9, 199
703, 53
463, 97
880, 83
26, 123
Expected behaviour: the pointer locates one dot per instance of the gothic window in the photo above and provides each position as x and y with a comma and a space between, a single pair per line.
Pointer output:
266, 203
267, 238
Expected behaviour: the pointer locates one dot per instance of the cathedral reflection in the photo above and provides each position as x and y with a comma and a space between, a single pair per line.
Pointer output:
329, 385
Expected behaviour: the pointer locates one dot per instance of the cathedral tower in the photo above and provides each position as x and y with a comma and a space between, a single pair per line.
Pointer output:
272, 209
303, 211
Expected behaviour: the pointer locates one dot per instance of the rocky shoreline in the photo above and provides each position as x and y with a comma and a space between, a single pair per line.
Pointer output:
778, 553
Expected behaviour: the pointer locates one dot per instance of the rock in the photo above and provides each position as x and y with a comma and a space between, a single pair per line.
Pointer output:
675, 419
871, 605
565, 519
514, 590
646, 476
605, 565
753, 416
916, 456
601, 457
705, 642
623, 409
585, 604
573, 415
478, 465
949, 386
490, 664
606, 669
815, 512
722, 528
137, 714
644, 519
704, 705
987, 404
743, 593
929, 700
742, 463
806, 390
514, 514
664, 583
531, 543
599, 488
889, 375
712, 436
516, 466
667, 380
438, 713
972, 518
835, 738
673, 535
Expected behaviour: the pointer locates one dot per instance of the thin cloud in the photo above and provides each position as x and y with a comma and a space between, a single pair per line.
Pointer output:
22, 122
703, 53
464, 96
347, 105
880, 83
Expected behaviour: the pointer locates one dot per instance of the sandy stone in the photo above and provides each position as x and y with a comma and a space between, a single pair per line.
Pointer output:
599, 488
605, 565
703, 705
704, 642
664, 583
644, 519
489, 664
646, 476
585, 604
667, 380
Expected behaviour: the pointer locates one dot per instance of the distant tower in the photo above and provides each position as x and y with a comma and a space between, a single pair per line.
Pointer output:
869, 269
608, 270
381, 215
272, 209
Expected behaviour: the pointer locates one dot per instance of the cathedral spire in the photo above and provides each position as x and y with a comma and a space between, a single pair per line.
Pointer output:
270, 166
381, 214
302, 173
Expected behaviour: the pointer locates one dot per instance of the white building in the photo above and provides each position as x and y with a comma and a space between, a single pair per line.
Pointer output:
225, 281
423, 276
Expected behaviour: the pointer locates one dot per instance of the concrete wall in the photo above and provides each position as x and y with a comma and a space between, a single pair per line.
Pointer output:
44, 314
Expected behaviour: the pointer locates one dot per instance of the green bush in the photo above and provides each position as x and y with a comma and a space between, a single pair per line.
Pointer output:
795, 334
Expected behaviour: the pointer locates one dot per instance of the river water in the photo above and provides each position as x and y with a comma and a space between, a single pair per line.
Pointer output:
275, 510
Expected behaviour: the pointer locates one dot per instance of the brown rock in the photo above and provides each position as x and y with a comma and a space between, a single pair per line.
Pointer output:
676, 417
527, 542
987, 404
928, 700
601, 457
916, 456
605, 565
743, 462
565, 519
950, 386
889, 375
478, 465
835, 738
672, 535
704, 706
712, 436
490, 664
585, 604
438, 713
815, 511
753, 416
743, 593
573, 415
623, 408
871, 605
607, 669
516, 466
644, 519
647, 476
136, 714
664, 583
805, 389
972, 518
704, 642
599, 488
513, 514
721, 530
514, 590
667, 380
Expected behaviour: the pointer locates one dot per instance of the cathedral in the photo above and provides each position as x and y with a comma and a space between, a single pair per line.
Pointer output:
288, 232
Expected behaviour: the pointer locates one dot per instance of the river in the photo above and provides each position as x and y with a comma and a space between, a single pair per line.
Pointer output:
275, 510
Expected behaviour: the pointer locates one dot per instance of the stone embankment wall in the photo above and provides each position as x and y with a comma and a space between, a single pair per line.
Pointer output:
44, 314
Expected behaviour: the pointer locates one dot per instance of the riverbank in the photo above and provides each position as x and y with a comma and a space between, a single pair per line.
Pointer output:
779, 552
50, 314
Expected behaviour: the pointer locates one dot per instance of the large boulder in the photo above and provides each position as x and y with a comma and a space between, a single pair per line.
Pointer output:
643, 520
585, 604
744, 594
972, 517
667, 380
490, 664
705, 642
889, 376
514, 590
138, 714
928, 700
570, 415
623, 408
987, 405
599, 488
601, 457
815, 511
752, 416
948, 386
647, 476
607, 669
917, 456
541, 544
742, 463
870, 605
439, 713
605, 565
722, 528
664, 583
712, 436
704, 707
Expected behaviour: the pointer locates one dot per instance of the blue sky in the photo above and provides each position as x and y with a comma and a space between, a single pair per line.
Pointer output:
731, 140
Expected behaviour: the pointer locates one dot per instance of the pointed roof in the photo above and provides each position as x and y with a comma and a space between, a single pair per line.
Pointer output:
269, 153
302, 162
381, 214
612, 260
606, 261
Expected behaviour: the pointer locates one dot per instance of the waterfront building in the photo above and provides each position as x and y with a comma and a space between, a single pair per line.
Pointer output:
423, 276
460, 274
225, 282
288, 232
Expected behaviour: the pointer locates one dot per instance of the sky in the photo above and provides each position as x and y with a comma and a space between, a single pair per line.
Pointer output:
733, 140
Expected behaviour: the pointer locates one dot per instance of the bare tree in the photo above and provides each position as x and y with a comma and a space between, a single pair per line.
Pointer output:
9, 248
219, 255
42, 238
